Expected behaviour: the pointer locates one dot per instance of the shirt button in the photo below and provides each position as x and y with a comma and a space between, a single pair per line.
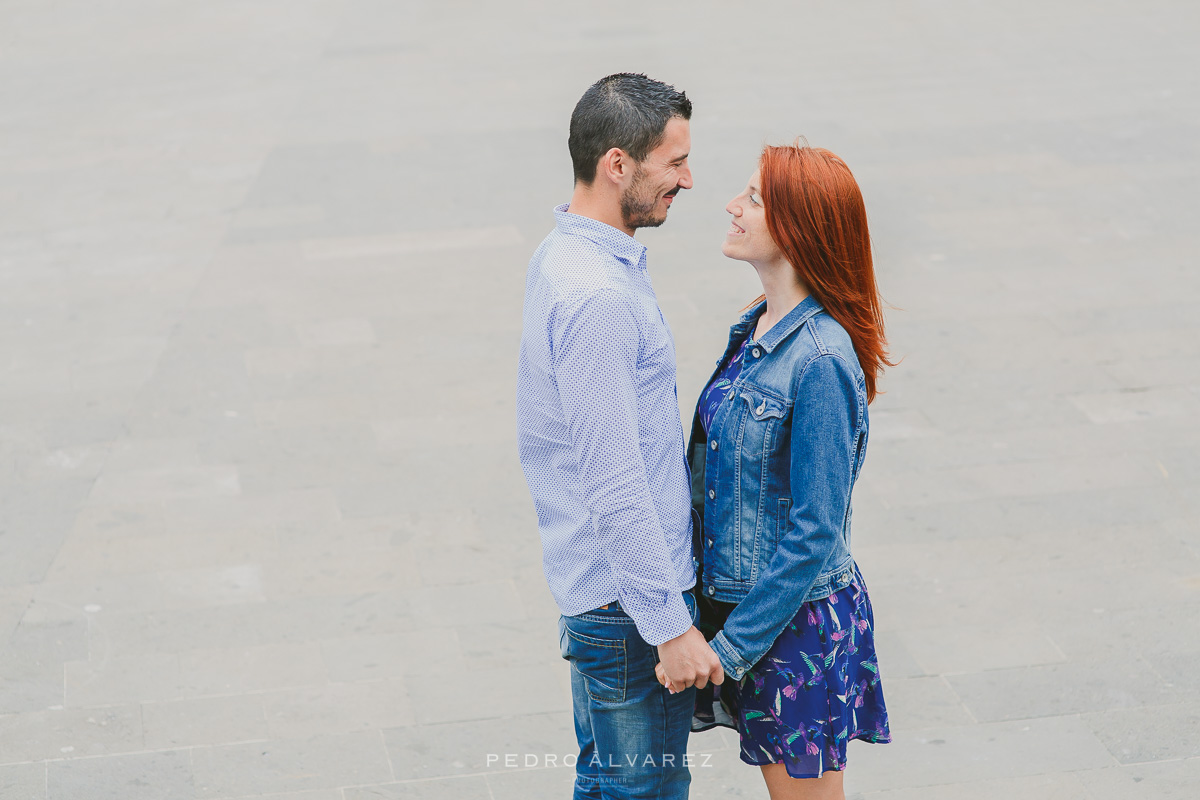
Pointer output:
757, 352
712, 494
714, 444
712, 590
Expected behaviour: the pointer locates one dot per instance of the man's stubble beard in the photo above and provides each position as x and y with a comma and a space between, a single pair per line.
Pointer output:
637, 211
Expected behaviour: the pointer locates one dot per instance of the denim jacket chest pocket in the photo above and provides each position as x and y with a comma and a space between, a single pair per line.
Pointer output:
762, 419
760, 415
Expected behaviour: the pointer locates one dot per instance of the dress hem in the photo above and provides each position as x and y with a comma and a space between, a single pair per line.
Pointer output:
869, 737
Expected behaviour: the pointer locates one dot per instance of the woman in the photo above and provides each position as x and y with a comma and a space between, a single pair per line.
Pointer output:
778, 439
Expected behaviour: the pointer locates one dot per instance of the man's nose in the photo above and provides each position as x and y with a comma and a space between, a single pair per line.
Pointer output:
685, 178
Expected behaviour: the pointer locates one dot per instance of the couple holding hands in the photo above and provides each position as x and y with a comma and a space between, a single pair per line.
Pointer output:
710, 584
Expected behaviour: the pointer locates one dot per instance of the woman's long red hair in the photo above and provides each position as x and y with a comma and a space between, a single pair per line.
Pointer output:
815, 214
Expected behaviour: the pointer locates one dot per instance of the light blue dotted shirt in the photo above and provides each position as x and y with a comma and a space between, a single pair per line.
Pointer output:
598, 429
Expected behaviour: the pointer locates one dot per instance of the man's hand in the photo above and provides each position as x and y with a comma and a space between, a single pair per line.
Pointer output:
687, 660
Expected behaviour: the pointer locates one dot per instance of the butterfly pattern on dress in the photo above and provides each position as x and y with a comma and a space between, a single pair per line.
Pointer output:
816, 689
718, 388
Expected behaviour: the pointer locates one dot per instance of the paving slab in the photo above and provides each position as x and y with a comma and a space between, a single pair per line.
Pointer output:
263, 530
989, 750
1167, 780
24, 781
281, 765
466, 748
468, 788
1068, 786
165, 775
58, 733
197, 721
1073, 687
1150, 733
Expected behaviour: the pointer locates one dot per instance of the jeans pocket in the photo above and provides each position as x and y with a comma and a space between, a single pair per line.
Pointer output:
602, 663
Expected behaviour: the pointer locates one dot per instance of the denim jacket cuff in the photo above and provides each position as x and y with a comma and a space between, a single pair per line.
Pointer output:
734, 665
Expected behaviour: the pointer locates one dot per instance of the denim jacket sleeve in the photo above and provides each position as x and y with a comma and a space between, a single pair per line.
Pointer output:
826, 424
596, 344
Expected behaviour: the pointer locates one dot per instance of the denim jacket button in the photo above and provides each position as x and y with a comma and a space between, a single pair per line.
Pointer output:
714, 444
757, 352
712, 495
710, 542
712, 590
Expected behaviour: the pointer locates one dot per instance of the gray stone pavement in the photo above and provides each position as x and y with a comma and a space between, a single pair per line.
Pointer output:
262, 527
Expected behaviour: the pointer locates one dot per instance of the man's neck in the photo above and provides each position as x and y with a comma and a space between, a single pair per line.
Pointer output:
602, 207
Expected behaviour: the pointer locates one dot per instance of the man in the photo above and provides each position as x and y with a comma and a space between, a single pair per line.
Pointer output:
602, 446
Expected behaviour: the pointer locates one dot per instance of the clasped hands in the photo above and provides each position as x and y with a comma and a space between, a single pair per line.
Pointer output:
687, 660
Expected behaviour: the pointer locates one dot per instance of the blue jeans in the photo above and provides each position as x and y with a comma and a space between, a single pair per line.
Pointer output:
632, 733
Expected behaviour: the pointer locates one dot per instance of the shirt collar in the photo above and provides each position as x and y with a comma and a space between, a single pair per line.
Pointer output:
805, 310
621, 245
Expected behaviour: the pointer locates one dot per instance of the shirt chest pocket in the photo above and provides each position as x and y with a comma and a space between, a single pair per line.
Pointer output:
656, 351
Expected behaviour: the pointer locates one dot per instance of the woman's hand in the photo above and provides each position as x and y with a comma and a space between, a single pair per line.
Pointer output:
688, 660
661, 674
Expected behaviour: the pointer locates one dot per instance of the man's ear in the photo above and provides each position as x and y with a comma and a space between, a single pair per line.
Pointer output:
615, 166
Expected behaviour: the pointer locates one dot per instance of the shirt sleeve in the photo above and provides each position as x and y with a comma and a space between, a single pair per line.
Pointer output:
823, 445
595, 354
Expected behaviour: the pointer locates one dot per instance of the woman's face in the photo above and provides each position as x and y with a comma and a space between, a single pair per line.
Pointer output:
747, 238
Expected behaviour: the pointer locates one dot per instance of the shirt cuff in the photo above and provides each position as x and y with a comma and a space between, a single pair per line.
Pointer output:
658, 624
734, 665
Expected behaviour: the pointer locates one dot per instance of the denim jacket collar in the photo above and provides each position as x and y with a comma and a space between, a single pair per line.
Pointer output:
621, 245
786, 326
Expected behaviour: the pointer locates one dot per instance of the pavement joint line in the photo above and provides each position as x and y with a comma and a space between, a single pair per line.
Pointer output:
144, 752
387, 754
1123, 764
247, 693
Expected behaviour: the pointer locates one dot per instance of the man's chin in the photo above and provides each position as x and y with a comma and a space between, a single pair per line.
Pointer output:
645, 221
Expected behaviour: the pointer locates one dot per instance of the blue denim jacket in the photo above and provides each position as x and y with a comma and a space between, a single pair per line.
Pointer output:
772, 481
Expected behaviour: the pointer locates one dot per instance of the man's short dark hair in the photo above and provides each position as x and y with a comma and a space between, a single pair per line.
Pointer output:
626, 110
